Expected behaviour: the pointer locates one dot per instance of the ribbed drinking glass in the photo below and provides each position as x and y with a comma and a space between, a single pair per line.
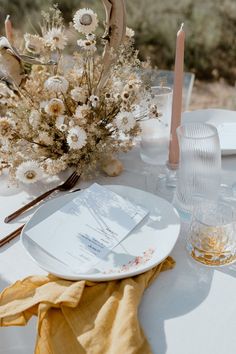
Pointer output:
199, 167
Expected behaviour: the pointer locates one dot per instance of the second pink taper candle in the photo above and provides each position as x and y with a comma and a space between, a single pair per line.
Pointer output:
177, 98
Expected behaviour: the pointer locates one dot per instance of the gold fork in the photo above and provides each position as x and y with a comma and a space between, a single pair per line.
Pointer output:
67, 185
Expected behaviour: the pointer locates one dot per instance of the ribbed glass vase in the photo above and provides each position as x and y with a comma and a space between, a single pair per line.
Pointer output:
199, 167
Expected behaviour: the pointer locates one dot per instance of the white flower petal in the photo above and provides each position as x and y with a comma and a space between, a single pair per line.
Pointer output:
59, 120
29, 172
94, 100
55, 107
129, 32
125, 121
85, 21
77, 138
55, 38
56, 84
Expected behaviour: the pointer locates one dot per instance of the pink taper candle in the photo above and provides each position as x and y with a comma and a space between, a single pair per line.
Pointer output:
8, 29
177, 99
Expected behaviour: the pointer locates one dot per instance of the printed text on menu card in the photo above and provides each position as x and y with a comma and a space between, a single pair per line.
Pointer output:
87, 228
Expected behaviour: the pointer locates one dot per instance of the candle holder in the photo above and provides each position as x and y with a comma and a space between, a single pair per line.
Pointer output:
167, 181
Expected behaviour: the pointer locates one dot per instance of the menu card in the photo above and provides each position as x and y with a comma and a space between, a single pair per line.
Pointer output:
87, 228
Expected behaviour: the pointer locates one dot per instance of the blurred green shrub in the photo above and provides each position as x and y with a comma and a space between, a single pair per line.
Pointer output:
210, 27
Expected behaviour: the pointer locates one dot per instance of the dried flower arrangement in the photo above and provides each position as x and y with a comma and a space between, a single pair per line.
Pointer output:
52, 118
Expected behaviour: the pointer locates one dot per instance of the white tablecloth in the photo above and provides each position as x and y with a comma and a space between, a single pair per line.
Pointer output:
188, 310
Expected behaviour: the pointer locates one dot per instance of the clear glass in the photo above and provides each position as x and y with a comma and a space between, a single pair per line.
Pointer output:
156, 131
212, 233
199, 166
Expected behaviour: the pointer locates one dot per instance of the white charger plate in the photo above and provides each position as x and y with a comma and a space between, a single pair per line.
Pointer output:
145, 247
223, 120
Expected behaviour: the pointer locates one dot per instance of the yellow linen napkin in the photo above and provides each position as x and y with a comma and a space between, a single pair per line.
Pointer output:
81, 316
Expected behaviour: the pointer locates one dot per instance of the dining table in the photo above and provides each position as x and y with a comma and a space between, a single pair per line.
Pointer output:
190, 309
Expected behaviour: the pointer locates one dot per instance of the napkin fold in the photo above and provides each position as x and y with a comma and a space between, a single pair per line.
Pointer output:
77, 317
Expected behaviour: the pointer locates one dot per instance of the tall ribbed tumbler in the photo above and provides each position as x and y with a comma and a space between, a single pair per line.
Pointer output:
199, 167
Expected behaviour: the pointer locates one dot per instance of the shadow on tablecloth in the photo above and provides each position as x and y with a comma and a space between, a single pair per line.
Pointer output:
178, 293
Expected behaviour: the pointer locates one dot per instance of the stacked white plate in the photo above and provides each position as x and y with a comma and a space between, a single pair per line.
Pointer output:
223, 120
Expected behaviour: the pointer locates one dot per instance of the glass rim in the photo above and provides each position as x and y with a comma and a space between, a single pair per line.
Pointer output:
212, 128
195, 214
216, 226
168, 88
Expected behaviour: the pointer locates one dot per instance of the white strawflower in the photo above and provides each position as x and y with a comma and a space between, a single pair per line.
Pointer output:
34, 118
81, 111
129, 32
125, 121
79, 94
90, 37
6, 127
55, 39
94, 100
108, 97
29, 172
85, 21
126, 95
76, 138
133, 85
55, 107
63, 128
154, 112
34, 43
56, 84
60, 124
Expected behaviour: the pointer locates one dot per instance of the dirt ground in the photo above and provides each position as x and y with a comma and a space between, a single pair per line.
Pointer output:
213, 95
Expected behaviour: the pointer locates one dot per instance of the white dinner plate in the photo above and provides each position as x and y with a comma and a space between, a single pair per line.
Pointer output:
146, 246
223, 120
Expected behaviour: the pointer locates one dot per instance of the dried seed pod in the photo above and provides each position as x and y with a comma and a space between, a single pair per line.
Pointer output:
112, 167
